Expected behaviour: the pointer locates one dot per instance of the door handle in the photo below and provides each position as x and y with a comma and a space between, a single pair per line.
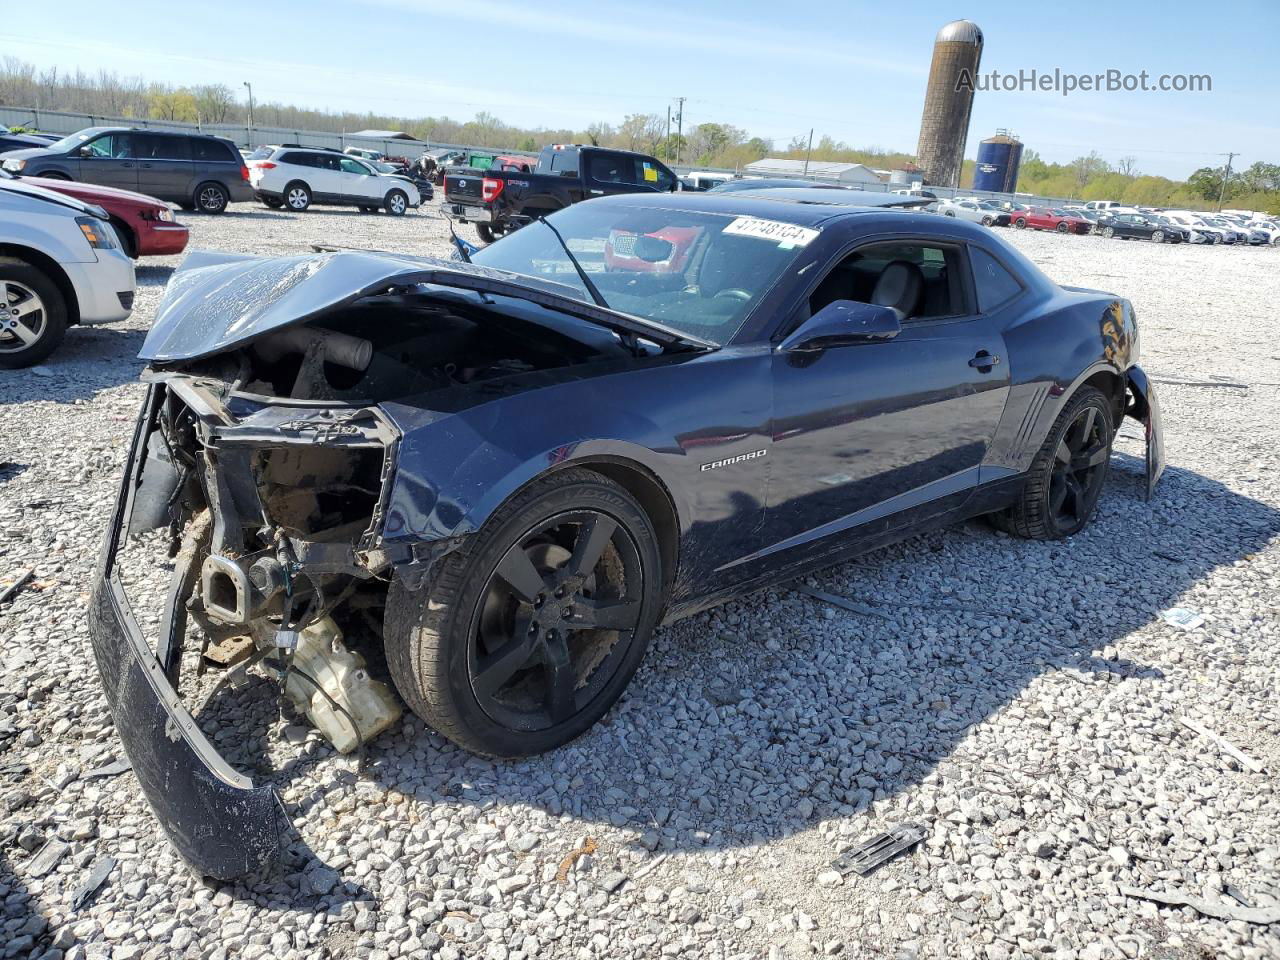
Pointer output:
984, 361
126, 165
597, 192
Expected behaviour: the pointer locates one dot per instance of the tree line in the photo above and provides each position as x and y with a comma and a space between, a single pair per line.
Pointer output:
705, 144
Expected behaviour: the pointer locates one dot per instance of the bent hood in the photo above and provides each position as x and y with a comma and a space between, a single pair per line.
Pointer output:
217, 302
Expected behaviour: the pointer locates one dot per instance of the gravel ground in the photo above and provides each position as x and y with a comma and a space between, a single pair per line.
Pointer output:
1021, 700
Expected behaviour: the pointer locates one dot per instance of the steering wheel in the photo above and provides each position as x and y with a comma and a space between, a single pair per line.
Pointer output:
736, 293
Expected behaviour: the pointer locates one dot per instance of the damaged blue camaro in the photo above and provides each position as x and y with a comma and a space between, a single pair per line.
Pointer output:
498, 477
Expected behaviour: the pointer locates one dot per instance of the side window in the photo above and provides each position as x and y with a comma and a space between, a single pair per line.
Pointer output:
208, 150
994, 284
919, 280
154, 146
111, 146
607, 168
354, 166
564, 163
655, 175
297, 159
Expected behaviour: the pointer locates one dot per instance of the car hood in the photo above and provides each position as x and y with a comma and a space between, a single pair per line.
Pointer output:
94, 193
217, 302
51, 196
28, 153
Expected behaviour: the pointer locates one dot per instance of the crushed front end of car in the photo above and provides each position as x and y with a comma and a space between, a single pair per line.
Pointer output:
265, 508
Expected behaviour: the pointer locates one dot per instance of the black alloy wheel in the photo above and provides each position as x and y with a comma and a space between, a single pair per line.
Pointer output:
525, 635
212, 197
1067, 475
1062, 228
558, 615
1079, 469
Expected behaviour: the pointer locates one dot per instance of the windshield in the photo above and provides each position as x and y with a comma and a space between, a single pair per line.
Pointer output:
75, 139
699, 273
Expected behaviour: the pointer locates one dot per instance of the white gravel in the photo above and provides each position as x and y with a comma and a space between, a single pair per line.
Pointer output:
1035, 732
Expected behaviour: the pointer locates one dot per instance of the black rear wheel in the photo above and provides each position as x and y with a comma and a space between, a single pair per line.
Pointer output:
528, 633
486, 232
1067, 474
212, 197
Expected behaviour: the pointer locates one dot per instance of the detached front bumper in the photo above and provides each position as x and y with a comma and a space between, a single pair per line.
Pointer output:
221, 824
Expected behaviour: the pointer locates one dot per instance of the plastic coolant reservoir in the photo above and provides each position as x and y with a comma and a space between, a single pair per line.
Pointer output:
343, 675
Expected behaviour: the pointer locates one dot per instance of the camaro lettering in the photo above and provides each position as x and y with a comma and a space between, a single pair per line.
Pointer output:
728, 461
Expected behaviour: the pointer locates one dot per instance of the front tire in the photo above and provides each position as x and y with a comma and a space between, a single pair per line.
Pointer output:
1062, 228
1157, 236
33, 314
528, 633
1021, 223
1108, 232
1067, 474
397, 203
212, 198
988, 221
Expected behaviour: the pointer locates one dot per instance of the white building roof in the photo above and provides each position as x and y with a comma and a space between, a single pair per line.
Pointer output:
821, 169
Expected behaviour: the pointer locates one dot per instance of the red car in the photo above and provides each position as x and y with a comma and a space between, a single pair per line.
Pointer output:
1044, 218
144, 224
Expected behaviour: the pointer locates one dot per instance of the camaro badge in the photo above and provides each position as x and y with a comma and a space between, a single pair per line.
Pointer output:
727, 461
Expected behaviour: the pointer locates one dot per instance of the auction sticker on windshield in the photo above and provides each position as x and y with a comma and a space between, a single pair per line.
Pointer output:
783, 234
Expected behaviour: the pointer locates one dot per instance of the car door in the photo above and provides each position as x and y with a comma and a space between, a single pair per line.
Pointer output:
164, 165
327, 180
359, 182
613, 173
109, 160
864, 432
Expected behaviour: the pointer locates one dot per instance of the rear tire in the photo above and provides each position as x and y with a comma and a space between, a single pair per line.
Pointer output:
1021, 223
212, 197
1068, 473
1157, 236
485, 232
297, 197
483, 651
41, 314
1108, 232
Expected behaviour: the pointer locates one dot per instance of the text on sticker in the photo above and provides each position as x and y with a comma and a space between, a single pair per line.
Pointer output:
783, 234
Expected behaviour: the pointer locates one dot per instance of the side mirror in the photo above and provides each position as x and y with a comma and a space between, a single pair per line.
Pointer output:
844, 322
85, 152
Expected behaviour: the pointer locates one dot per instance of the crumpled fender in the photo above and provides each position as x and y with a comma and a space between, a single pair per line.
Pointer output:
1145, 408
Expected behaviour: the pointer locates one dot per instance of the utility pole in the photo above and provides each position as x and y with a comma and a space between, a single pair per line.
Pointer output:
248, 127
1225, 177
808, 153
680, 128
667, 149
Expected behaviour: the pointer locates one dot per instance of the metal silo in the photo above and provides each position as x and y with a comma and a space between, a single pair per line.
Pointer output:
998, 160
948, 102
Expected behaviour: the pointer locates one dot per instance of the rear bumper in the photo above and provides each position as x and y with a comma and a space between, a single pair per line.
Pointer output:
467, 212
221, 824
1145, 408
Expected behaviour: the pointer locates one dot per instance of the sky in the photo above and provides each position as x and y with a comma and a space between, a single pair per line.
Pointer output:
854, 71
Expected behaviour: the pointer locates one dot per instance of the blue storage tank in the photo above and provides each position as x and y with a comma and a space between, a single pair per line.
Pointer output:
998, 160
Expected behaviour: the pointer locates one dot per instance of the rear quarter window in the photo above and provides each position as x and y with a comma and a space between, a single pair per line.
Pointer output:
992, 281
211, 151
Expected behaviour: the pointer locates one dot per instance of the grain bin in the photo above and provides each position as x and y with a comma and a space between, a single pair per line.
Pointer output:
948, 101
998, 161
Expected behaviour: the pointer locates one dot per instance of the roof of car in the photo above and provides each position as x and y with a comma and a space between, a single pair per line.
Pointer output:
801, 206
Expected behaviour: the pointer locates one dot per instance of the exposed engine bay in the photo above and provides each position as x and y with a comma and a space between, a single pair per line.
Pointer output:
268, 464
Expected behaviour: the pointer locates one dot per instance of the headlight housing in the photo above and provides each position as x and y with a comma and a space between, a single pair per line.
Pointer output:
13, 166
165, 214
98, 233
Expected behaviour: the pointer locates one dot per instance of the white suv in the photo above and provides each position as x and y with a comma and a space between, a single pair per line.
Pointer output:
60, 264
295, 178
